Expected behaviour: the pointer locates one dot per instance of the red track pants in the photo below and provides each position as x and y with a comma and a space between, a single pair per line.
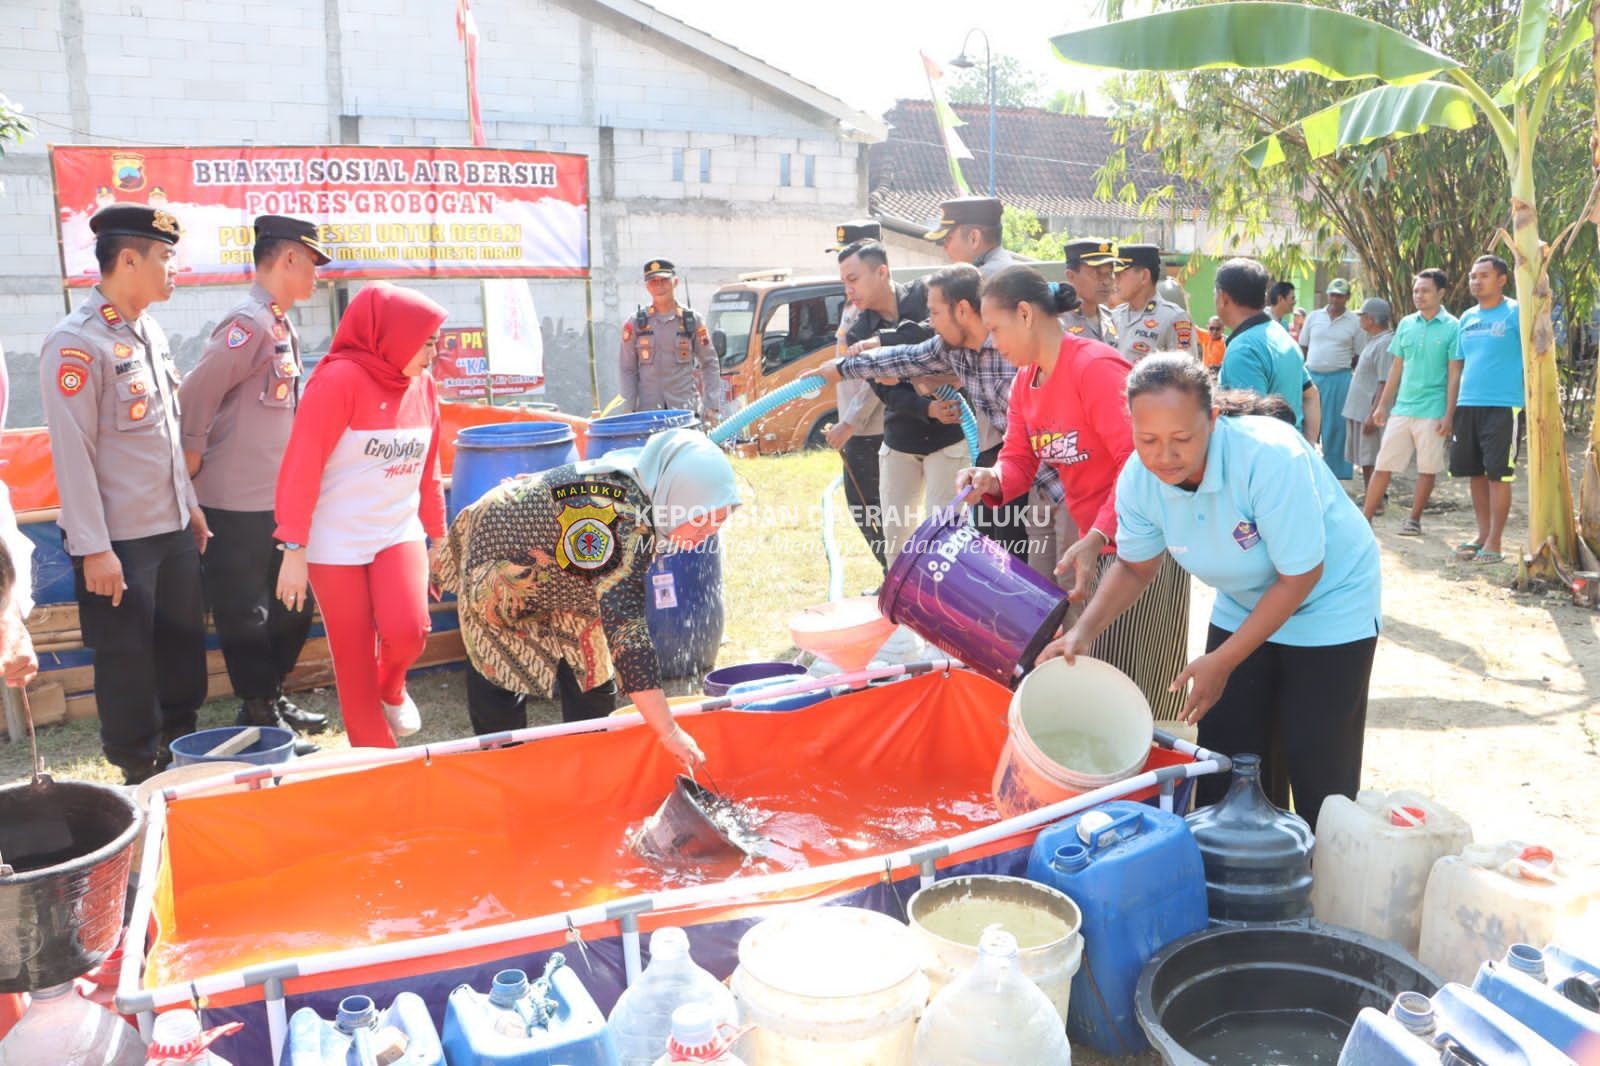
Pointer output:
376, 615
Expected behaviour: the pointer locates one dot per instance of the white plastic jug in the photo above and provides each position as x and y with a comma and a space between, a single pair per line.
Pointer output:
829, 986
992, 1015
698, 1036
641, 1021
1373, 857
1489, 897
62, 1028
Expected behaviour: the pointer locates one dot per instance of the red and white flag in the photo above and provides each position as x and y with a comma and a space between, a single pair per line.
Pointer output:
467, 34
955, 149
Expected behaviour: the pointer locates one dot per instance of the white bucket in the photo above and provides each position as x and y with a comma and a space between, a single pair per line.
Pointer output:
949, 918
829, 986
1073, 729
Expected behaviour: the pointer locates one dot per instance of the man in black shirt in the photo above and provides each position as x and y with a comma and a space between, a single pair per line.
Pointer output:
923, 446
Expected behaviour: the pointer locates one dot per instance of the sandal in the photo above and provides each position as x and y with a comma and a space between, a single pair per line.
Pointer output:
1488, 557
1468, 549
1411, 528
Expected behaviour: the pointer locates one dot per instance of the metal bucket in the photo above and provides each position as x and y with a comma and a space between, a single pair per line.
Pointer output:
683, 829
61, 910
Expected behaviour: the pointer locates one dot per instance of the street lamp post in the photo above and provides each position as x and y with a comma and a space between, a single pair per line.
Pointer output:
963, 62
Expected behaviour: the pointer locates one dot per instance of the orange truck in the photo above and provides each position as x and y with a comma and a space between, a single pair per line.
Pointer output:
768, 329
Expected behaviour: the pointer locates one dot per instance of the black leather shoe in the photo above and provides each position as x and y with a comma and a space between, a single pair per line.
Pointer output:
138, 775
298, 718
257, 713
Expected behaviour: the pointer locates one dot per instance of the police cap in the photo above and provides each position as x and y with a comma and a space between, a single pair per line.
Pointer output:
135, 220
848, 233
1141, 255
659, 268
1091, 251
283, 228
966, 211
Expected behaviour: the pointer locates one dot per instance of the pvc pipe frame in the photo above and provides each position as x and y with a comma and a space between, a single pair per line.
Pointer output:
130, 998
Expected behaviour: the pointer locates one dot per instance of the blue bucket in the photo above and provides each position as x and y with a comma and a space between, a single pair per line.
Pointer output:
275, 745
487, 455
683, 597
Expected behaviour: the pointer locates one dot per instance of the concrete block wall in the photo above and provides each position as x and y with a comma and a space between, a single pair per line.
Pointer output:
553, 75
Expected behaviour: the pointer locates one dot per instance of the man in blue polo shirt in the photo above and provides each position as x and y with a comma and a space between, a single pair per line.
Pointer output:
1261, 356
1488, 418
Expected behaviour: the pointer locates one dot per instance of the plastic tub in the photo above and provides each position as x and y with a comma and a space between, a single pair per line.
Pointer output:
967, 595
1073, 729
829, 986
1271, 993
61, 910
720, 680
949, 918
274, 745
778, 703
1372, 860
487, 455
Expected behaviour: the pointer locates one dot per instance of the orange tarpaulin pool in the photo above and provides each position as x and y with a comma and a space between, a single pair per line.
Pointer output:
264, 881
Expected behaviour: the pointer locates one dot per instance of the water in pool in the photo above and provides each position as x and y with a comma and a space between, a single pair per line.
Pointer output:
1270, 1038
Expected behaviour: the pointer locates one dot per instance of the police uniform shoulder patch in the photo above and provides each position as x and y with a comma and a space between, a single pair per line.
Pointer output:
703, 335
627, 330
277, 312
238, 335
110, 314
1184, 330
71, 379
83, 356
1074, 329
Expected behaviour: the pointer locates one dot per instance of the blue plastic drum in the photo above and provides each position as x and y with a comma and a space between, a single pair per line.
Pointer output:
778, 703
487, 455
683, 598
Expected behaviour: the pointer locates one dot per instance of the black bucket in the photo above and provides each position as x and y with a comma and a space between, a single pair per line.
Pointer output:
68, 844
1284, 992
684, 829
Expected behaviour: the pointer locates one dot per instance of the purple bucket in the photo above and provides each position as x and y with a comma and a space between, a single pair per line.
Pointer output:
720, 680
968, 596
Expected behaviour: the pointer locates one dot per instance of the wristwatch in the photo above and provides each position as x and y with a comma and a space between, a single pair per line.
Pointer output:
290, 546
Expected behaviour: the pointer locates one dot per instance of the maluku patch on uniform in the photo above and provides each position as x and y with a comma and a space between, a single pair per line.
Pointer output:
587, 543
238, 335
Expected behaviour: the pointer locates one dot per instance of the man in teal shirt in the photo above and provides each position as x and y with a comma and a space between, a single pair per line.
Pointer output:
1489, 405
1261, 356
1418, 403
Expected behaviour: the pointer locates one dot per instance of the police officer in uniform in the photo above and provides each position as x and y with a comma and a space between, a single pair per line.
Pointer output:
969, 231
667, 360
130, 519
1148, 322
239, 403
1091, 265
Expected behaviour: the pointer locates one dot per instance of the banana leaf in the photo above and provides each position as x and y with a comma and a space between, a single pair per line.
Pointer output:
1387, 111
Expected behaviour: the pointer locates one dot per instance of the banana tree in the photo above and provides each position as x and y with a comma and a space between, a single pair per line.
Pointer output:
1417, 88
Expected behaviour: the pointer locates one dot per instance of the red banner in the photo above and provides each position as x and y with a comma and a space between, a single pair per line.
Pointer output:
383, 212
461, 370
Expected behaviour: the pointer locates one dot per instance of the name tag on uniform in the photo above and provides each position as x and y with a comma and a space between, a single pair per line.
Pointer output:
1245, 535
666, 590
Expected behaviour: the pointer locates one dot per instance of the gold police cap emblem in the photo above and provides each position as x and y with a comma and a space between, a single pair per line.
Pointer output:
838, 234
165, 223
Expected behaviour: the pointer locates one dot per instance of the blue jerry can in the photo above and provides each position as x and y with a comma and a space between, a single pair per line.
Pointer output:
1136, 874
1456, 1026
1520, 986
548, 1022
362, 1035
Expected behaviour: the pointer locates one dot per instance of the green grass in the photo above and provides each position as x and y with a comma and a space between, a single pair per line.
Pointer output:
773, 565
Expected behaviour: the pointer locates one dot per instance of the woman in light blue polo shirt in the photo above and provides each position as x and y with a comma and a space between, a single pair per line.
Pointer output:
1246, 505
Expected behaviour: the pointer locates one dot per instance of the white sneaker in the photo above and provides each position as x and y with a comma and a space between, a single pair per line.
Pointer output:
404, 719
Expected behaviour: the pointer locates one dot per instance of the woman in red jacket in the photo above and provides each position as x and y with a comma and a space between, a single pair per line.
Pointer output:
1068, 409
357, 494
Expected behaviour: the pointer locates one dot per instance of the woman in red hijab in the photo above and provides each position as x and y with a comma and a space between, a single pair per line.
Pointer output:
357, 494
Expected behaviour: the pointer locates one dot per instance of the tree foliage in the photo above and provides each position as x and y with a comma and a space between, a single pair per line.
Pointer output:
13, 124
1023, 233
1014, 85
1397, 206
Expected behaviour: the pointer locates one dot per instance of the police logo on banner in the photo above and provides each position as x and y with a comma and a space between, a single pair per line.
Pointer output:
238, 336
588, 541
